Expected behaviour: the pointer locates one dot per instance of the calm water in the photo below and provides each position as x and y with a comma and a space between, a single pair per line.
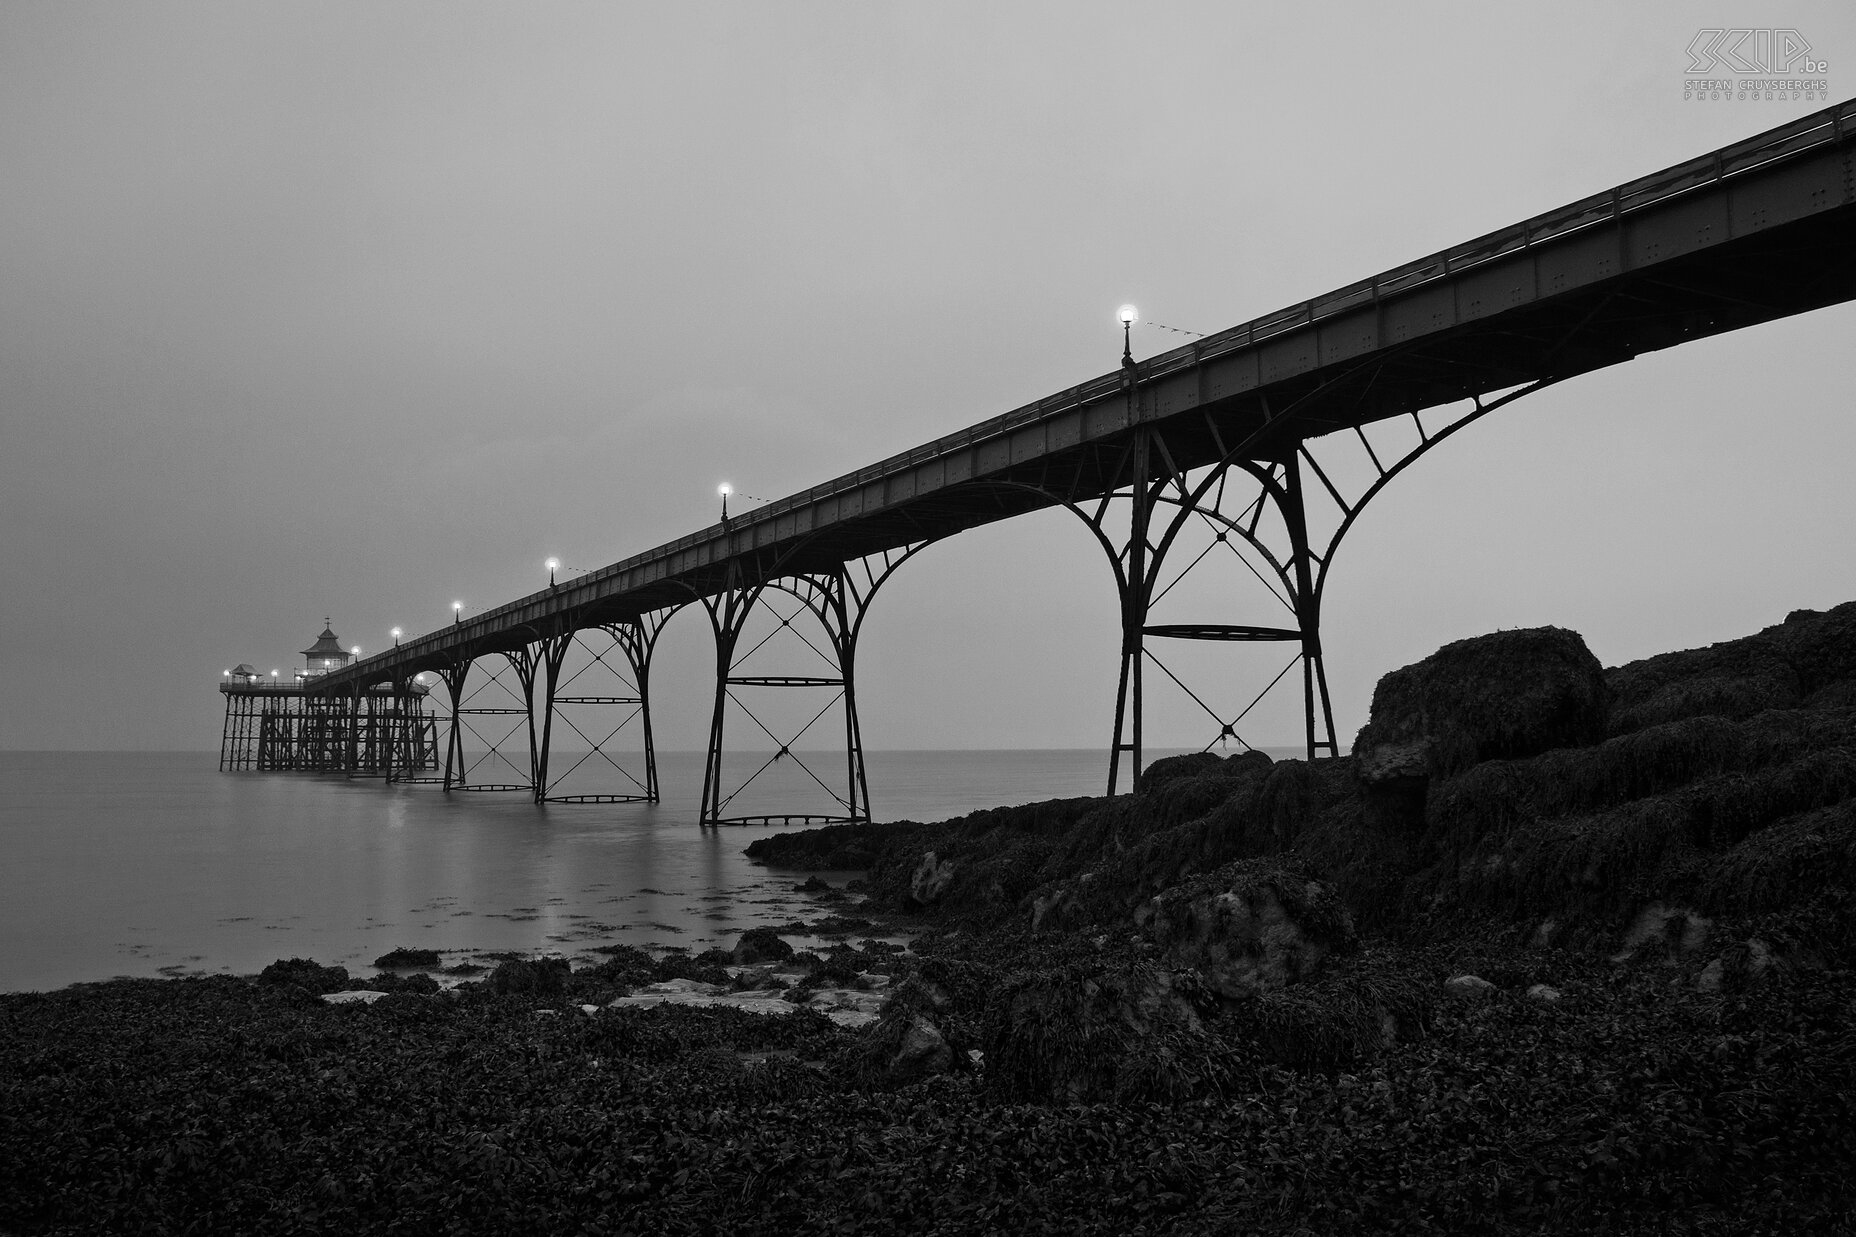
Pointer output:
155, 863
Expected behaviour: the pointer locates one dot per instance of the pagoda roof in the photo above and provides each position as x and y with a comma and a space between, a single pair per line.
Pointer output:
326, 644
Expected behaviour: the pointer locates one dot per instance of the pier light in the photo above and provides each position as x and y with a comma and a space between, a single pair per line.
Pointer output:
396, 637
554, 565
225, 674
457, 612
1128, 315
724, 490
356, 650
273, 676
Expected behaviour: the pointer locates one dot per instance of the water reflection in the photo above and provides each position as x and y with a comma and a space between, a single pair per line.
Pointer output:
128, 863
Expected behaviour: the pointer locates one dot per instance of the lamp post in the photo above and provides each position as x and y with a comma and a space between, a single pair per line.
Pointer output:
554, 565
457, 612
1128, 315
724, 490
396, 637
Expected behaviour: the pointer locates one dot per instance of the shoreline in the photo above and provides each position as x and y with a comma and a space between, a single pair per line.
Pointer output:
1560, 949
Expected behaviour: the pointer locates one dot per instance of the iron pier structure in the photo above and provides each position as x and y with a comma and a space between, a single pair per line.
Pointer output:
272, 726
1259, 446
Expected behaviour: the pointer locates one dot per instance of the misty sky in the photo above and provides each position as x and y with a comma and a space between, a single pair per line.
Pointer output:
354, 309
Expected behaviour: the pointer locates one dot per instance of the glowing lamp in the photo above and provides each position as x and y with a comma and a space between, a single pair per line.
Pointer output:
1129, 315
724, 489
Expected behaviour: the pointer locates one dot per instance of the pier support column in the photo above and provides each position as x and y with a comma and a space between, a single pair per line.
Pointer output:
1267, 527
606, 679
453, 678
838, 599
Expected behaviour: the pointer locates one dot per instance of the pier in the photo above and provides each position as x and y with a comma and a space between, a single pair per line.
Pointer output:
1265, 441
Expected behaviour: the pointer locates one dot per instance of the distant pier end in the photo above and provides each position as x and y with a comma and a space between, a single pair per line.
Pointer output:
273, 723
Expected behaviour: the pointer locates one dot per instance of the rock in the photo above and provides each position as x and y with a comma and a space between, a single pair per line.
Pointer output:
409, 960
1504, 696
364, 996
931, 879
923, 1053
1201, 765
849, 1007
814, 885
305, 974
681, 987
1394, 762
761, 945
695, 992
1669, 931
1545, 994
541, 977
1056, 907
1082, 1035
1246, 930
1395, 783
1737, 966
1545, 934
1470, 987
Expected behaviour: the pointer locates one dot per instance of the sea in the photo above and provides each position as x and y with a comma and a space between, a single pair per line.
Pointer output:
150, 864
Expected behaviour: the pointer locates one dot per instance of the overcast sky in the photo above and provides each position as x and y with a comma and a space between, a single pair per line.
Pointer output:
354, 309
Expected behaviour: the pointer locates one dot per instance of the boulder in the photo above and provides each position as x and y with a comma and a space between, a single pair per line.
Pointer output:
931, 879
1669, 933
520, 977
1737, 966
1504, 696
1247, 928
1470, 987
1546, 994
1171, 768
924, 1051
760, 945
1080, 1035
409, 960
305, 974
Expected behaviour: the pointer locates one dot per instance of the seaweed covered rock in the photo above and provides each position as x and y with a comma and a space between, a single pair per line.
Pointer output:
1202, 764
1352, 1015
545, 977
1808, 660
306, 974
1082, 1034
931, 879
759, 945
828, 848
906, 1044
1504, 696
409, 959
1248, 927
